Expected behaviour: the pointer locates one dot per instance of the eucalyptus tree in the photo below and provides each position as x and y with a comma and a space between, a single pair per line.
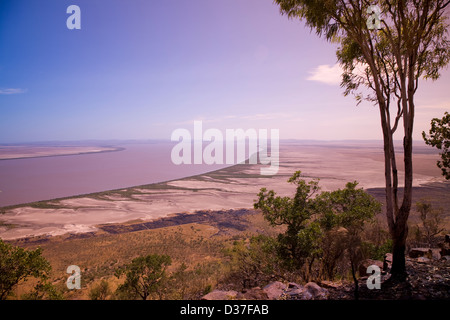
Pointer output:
440, 138
384, 48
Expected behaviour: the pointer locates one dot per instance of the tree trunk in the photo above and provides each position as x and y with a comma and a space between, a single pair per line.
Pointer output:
397, 217
355, 280
400, 231
398, 270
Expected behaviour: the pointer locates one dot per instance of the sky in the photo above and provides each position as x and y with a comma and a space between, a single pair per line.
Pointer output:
139, 69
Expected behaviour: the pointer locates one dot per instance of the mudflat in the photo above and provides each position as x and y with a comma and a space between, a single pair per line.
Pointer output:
22, 151
230, 188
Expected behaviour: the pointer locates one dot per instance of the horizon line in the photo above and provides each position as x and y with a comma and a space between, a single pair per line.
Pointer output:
90, 141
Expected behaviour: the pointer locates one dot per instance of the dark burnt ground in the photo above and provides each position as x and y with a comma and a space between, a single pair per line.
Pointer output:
438, 193
222, 219
425, 281
229, 222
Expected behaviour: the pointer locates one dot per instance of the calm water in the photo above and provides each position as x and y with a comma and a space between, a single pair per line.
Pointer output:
28, 180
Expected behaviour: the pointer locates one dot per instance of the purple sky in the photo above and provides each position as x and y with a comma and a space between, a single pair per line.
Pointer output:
139, 69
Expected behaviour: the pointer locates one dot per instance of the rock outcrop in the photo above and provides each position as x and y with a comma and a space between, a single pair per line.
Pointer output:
445, 246
222, 295
428, 278
420, 252
255, 294
428, 253
366, 263
273, 291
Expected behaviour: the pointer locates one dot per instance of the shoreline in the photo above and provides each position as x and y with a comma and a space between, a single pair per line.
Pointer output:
94, 194
224, 219
44, 178
110, 149
229, 188
158, 187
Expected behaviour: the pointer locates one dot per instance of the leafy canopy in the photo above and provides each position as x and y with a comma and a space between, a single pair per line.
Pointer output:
412, 43
439, 137
18, 264
309, 215
144, 275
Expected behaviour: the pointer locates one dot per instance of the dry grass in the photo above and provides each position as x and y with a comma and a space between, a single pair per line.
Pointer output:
200, 247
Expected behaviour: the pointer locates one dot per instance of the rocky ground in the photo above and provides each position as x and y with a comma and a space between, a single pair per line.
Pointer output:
428, 279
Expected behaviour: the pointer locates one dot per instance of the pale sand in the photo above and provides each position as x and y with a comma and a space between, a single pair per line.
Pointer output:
18, 152
231, 188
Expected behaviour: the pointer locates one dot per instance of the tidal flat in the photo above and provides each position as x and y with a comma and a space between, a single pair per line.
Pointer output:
230, 188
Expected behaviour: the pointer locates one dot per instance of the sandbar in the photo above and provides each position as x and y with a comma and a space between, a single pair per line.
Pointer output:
32, 151
234, 187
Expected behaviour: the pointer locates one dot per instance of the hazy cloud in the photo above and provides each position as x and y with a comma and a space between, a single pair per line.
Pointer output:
326, 74
12, 90
436, 106
264, 116
223, 118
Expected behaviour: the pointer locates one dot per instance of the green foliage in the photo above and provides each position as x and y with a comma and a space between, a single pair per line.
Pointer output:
374, 251
383, 65
320, 228
349, 208
295, 213
207, 289
101, 291
412, 33
18, 264
144, 276
43, 291
431, 219
180, 279
376, 241
343, 215
253, 262
439, 137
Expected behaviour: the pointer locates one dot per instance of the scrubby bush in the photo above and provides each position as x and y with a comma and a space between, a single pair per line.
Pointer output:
43, 291
431, 220
253, 262
144, 276
100, 291
323, 230
18, 264
299, 242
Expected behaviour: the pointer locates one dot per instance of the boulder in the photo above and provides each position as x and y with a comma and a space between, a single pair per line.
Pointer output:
275, 290
423, 260
311, 291
255, 293
445, 246
298, 293
435, 254
387, 263
293, 285
221, 295
420, 252
366, 263
445, 250
305, 295
388, 257
330, 284
316, 292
